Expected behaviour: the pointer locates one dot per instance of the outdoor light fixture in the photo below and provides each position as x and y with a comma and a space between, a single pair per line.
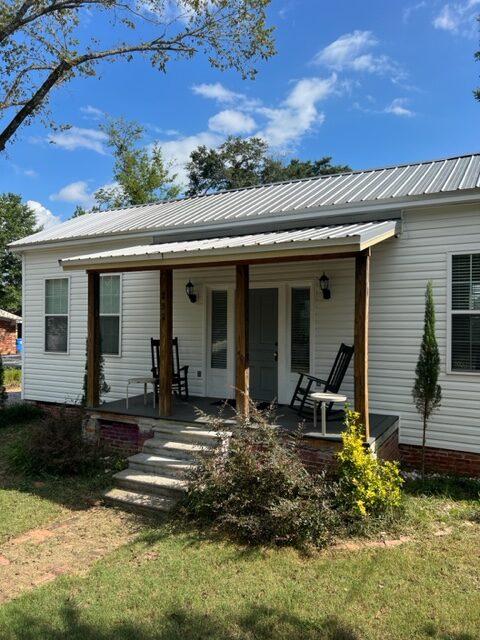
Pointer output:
324, 286
190, 290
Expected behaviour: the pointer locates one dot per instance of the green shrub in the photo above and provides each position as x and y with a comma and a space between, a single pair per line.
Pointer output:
54, 446
368, 486
259, 490
19, 413
3, 393
12, 377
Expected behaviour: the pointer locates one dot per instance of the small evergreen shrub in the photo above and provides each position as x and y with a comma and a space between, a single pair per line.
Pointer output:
259, 490
19, 413
369, 487
54, 445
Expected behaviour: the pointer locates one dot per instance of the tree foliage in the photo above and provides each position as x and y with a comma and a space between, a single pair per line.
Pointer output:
45, 43
427, 393
17, 220
140, 175
241, 163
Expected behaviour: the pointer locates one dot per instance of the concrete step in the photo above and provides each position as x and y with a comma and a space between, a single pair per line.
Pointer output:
164, 446
161, 464
185, 433
139, 502
141, 482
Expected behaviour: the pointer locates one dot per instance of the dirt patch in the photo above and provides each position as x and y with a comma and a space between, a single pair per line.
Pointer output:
71, 545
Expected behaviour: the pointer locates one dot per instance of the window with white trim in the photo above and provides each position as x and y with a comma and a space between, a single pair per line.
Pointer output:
300, 330
465, 312
56, 315
110, 314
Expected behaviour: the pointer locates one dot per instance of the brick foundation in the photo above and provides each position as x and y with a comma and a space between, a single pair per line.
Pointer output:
8, 337
389, 449
55, 409
446, 461
318, 455
121, 437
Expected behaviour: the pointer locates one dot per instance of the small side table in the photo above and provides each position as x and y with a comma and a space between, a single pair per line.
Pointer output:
145, 382
324, 398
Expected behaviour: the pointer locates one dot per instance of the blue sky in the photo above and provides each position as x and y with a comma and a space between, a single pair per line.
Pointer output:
370, 83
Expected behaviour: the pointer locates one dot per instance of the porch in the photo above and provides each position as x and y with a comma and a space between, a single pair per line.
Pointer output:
194, 410
237, 368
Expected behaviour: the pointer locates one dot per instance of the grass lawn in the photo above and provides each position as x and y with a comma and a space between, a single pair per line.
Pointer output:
182, 585
26, 503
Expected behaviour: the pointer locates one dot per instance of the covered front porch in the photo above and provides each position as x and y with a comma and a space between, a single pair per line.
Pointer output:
196, 409
243, 257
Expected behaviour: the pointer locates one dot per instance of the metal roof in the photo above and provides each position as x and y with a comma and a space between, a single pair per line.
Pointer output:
346, 192
6, 315
343, 237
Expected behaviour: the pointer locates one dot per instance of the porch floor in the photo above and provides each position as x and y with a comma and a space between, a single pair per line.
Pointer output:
188, 411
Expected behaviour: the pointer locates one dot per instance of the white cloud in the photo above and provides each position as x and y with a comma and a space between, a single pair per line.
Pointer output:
298, 114
76, 193
215, 91
44, 216
458, 17
352, 52
21, 171
230, 122
177, 152
398, 107
92, 113
80, 138
409, 11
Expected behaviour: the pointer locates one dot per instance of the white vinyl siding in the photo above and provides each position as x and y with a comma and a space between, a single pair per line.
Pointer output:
400, 270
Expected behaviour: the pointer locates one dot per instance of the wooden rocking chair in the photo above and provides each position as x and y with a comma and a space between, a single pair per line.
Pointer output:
179, 374
301, 396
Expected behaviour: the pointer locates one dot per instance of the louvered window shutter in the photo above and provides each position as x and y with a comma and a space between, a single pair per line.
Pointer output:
219, 335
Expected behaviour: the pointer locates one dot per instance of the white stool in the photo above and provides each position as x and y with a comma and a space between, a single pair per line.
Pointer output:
324, 398
145, 382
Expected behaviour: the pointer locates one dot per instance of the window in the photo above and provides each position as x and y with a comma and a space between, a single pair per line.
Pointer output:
465, 313
300, 330
56, 315
110, 315
218, 356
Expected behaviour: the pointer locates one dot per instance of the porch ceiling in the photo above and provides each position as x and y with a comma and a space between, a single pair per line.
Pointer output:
312, 242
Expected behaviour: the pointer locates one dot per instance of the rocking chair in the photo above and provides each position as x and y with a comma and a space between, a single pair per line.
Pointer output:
301, 397
179, 374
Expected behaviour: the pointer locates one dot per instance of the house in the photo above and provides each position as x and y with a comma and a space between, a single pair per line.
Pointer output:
206, 268
9, 323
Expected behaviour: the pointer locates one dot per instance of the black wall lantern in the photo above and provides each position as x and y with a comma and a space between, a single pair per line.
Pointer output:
324, 286
190, 290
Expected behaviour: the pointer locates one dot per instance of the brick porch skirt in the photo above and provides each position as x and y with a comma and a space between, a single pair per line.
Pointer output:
461, 463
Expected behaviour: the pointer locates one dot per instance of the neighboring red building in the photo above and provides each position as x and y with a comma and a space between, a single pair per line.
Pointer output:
8, 332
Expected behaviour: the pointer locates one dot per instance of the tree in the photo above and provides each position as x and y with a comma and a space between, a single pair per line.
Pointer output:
236, 163
44, 43
103, 387
17, 220
245, 163
426, 391
140, 174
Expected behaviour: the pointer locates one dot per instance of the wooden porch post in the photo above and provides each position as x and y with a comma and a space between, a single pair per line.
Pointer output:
93, 339
166, 329
242, 367
362, 296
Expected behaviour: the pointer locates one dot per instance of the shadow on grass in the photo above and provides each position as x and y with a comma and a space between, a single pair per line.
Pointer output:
450, 487
432, 632
261, 623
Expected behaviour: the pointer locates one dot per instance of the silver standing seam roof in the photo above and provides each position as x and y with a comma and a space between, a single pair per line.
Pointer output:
344, 237
324, 195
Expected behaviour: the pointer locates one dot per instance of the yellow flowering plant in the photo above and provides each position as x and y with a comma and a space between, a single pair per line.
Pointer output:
369, 486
